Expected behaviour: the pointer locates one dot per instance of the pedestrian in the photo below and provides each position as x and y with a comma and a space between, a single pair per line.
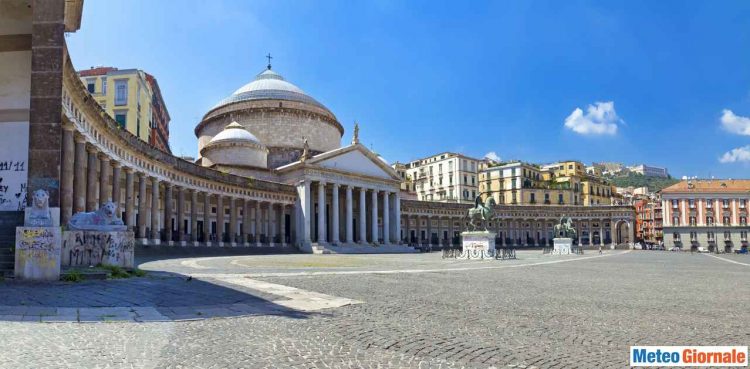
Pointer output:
600, 249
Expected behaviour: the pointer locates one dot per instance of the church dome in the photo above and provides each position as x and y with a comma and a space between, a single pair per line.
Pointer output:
234, 132
234, 147
269, 85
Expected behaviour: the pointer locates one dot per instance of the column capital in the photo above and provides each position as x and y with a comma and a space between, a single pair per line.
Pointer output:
91, 149
335, 185
79, 138
116, 164
102, 156
68, 126
128, 169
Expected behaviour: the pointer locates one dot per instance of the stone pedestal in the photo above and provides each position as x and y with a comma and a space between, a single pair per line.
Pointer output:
562, 246
38, 253
90, 248
478, 245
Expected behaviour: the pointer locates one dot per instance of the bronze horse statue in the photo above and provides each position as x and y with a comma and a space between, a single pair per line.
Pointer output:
565, 228
481, 213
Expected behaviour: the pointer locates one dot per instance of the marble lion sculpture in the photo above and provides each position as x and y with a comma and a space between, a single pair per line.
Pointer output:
39, 215
104, 219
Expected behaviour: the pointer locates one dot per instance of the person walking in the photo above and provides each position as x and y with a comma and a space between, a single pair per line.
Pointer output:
600, 249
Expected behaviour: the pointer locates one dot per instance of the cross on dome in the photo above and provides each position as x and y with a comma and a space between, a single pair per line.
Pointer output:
269, 57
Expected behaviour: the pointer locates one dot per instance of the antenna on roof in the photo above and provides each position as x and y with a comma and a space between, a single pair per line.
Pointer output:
269, 57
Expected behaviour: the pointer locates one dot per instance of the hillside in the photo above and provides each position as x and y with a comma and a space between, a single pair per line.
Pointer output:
638, 180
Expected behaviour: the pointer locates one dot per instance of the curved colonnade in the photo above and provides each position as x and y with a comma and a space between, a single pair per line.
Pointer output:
165, 198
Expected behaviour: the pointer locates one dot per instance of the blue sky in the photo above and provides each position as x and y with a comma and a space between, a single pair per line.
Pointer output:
661, 82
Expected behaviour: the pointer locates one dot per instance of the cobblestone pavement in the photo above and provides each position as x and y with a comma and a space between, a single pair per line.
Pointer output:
536, 312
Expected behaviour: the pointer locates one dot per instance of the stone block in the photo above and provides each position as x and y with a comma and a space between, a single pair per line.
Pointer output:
38, 253
86, 248
562, 246
478, 245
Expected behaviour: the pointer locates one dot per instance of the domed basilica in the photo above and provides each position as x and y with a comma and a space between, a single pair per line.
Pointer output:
271, 129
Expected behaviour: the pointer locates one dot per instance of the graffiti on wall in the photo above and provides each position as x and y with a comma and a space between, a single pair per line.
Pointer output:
14, 153
88, 248
37, 253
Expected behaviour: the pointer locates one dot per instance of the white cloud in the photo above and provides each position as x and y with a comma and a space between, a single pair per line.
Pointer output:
492, 156
735, 123
740, 154
600, 119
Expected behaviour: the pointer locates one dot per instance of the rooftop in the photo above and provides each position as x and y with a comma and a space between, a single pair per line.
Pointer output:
709, 185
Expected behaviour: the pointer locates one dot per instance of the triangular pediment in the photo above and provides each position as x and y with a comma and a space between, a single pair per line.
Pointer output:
356, 161
353, 159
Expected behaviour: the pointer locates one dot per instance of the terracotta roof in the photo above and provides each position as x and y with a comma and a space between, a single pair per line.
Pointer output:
98, 71
709, 185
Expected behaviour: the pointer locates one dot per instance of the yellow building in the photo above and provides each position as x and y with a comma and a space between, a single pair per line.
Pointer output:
124, 94
564, 183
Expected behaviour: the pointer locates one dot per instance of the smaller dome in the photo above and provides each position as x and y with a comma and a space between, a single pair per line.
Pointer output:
234, 132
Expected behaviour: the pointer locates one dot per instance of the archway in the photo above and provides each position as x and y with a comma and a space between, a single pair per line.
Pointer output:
622, 232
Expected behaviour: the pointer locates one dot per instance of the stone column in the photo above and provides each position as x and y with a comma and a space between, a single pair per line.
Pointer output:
220, 219
247, 223
116, 188
397, 216
194, 217
281, 224
374, 216
79, 179
429, 230
233, 221
168, 195
155, 211
207, 218
142, 207
66, 180
406, 230
601, 232
181, 215
349, 216
335, 229
273, 224
91, 180
362, 216
303, 191
267, 223
386, 218
256, 227
129, 198
104, 190
418, 231
321, 213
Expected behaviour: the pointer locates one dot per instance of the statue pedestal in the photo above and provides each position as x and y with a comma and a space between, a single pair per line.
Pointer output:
562, 246
90, 248
38, 253
478, 245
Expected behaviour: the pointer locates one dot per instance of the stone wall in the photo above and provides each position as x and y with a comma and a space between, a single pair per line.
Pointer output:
279, 127
89, 248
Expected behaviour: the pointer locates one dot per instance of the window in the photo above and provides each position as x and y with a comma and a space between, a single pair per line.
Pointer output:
692, 221
743, 221
693, 236
727, 235
676, 236
533, 198
465, 182
91, 85
710, 236
472, 180
104, 85
675, 220
691, 202
709, 203
743, 235
121, 117
675, 204
560, 198
121, 92
725, 220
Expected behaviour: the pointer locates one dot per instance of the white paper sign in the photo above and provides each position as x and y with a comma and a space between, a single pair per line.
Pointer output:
14, 157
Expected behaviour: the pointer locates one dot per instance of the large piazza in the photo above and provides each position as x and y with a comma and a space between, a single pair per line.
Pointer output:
272, 169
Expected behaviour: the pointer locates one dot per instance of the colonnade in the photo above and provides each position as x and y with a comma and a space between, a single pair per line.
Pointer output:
159, 211
331, 214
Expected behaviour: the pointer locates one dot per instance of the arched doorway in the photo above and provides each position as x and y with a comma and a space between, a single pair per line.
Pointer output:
622, 232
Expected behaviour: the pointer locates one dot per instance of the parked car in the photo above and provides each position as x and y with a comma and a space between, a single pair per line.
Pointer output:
741, 251
675, 248
702, 249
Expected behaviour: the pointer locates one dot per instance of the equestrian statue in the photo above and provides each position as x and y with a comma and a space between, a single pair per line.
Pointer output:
480, 214
565, 229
